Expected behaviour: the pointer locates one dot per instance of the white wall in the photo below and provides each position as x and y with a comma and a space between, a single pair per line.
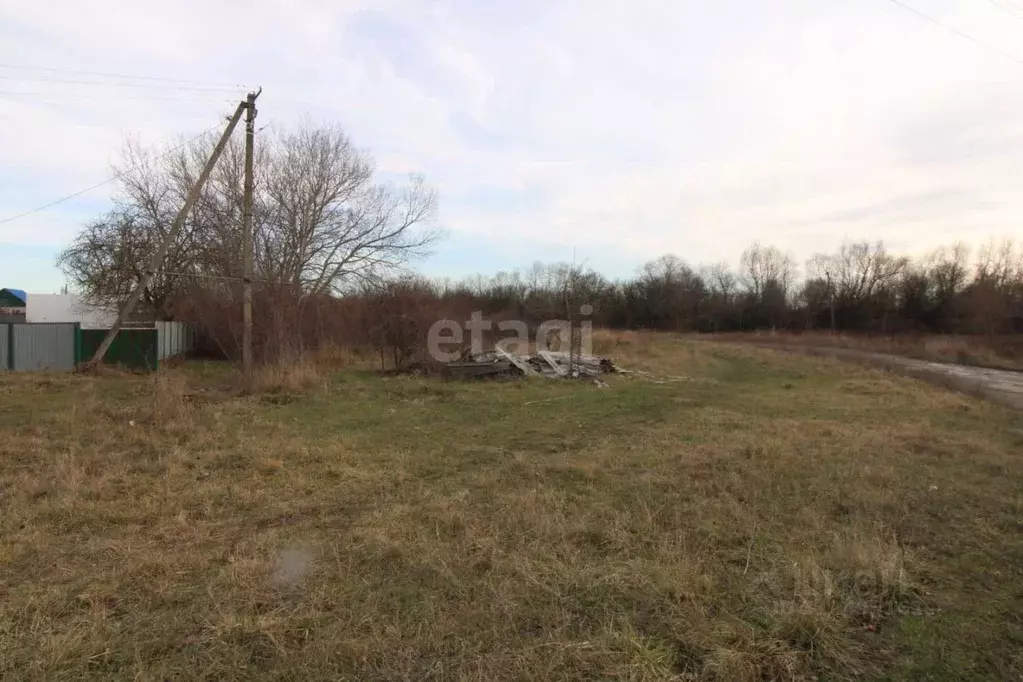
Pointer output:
66, 308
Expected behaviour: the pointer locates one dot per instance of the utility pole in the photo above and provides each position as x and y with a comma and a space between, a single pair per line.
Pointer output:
831, 292
250, 138
161, 252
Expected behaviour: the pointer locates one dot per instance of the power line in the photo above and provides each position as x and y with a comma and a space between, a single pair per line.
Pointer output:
223, 277
1010, 3
115, 97
953, 29
79, 193
105, 74
121, 85
1011, 9
58, 201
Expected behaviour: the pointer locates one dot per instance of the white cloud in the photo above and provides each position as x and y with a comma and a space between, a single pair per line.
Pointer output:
644, 127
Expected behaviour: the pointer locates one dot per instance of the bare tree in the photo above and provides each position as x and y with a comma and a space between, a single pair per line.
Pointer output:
721, 287
767, 275
819, 288
330, 224
996, 295
761, 267
949, 269
1000, 262
858, 270
672, 289
320, 221
720, 280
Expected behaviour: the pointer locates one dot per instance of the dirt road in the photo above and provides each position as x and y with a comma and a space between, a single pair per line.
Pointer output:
997, 385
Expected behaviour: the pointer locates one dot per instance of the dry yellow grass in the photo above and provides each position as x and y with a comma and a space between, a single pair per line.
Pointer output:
733, 515
289, 374
999, 352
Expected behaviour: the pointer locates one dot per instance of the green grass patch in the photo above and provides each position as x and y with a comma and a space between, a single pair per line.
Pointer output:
735, 514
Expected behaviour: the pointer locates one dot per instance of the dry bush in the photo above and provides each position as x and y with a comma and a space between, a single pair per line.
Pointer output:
606, 341
967, 350
332, 356
395, 318
290, 374
390, 320
628, 349
283, 321
167, 396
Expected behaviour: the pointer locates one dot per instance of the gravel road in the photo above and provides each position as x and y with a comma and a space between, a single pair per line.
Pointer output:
997, 385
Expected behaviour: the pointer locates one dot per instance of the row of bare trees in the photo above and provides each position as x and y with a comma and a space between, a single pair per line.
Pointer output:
864, 287
859, 287
331, 245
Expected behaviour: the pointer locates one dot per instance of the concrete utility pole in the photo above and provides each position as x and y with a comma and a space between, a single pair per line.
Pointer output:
831, 292
250, 138
161, 252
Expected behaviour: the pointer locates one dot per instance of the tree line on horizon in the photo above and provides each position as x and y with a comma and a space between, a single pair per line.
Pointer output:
860, 287
333, 248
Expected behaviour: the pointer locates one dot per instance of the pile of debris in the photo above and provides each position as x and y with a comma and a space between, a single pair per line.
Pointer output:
553, 364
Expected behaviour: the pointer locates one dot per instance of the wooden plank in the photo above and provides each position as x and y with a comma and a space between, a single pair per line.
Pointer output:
578, 359
549, 359
586, 364
515, 360
474, 370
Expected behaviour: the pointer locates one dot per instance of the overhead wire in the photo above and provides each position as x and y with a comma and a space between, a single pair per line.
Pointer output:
106, 74
219, 96
1011, 9
114, 177
1012, 4
953, 29
218, 277
58, 201
120, 85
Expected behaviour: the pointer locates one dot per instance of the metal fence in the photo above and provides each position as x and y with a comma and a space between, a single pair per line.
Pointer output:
44, 346
131, 348
173, 339
5, 342
60, 346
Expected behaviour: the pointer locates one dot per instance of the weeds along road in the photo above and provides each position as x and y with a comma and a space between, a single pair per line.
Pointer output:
1001, 386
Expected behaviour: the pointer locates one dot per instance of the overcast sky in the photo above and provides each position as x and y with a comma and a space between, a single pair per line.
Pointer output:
617, 130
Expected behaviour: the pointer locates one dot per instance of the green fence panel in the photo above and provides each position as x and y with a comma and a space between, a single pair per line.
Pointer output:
132, 348
78, 343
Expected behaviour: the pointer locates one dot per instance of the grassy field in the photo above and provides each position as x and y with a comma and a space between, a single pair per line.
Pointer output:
738, 515
997, 352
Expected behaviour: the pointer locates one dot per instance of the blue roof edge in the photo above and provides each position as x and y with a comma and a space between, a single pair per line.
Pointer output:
17, 293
